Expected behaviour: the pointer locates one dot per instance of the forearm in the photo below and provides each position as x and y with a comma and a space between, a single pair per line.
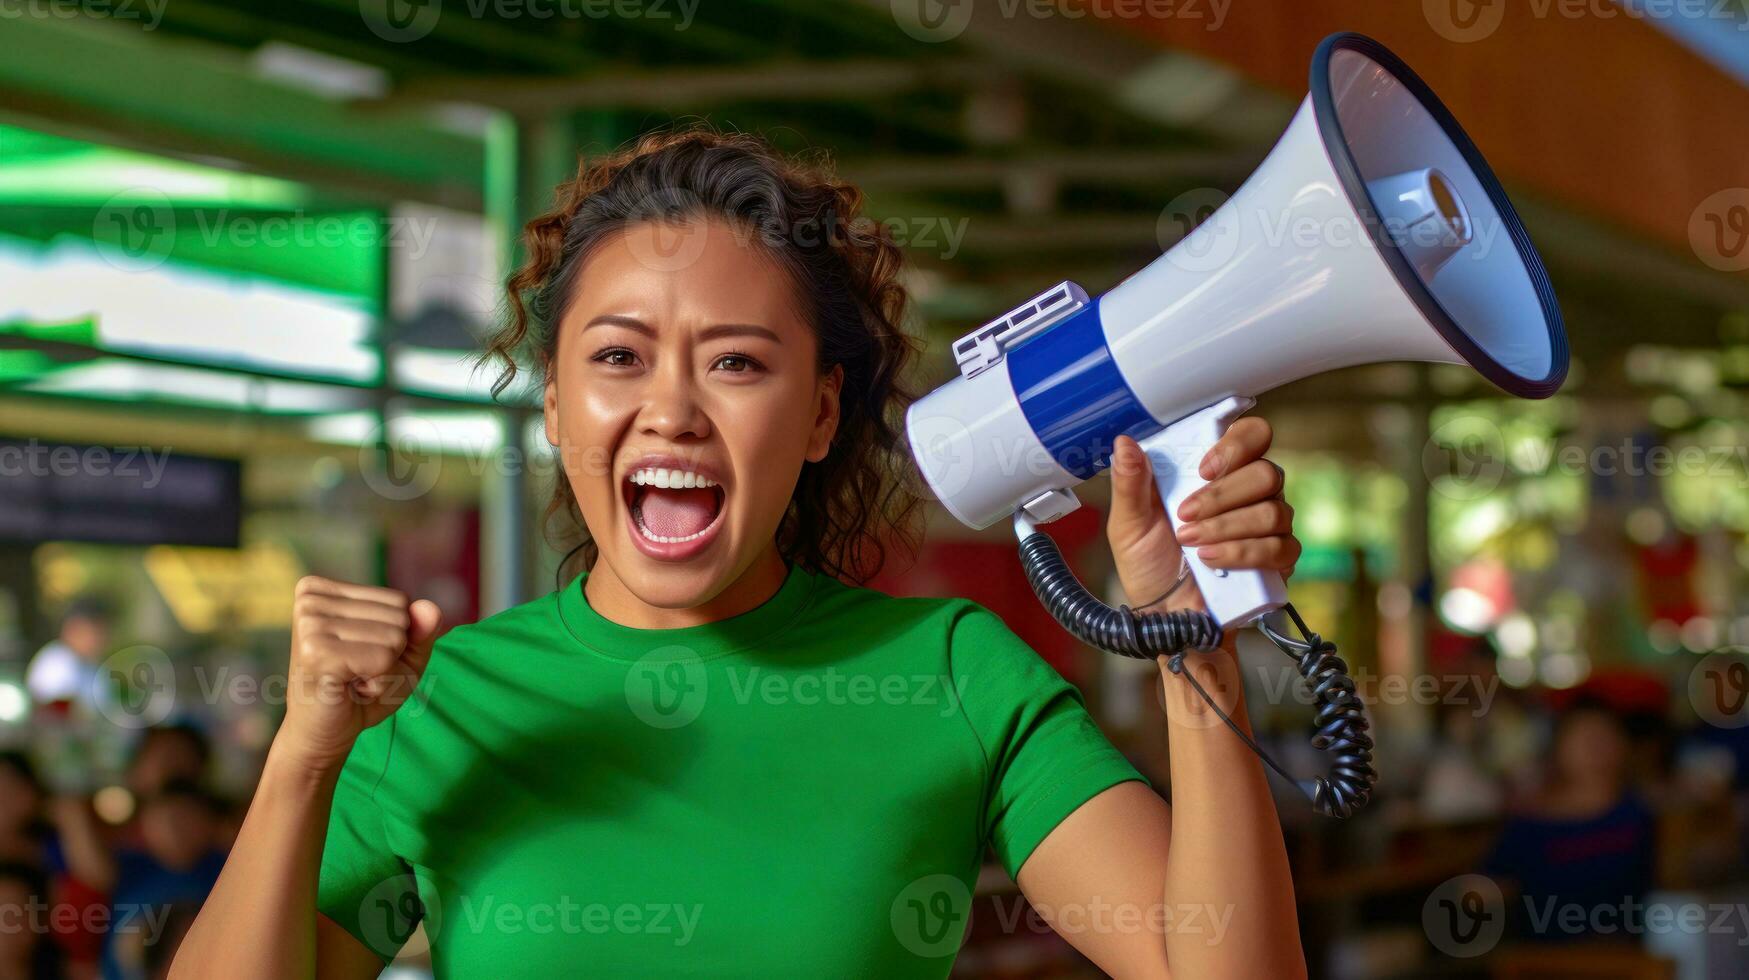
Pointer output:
260, 920
1228, 870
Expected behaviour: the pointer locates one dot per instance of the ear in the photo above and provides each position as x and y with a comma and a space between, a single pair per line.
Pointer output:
550, 411
826, 416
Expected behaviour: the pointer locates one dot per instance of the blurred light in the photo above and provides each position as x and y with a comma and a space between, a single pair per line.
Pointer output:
1670, 411
1530, 453
470, 433
1559, 633
1646, 526
445, 372
326, 472
207, 588
1516, 635
179, 310
1516, 672
1664, 636
1395, 600
14, 703
319, 73
114, 804
1700, 634
1467, 610
1562, 670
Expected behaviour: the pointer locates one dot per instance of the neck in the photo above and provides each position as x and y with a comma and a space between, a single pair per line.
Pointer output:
609, 596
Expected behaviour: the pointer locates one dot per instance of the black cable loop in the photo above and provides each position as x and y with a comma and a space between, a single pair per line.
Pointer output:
1342, 725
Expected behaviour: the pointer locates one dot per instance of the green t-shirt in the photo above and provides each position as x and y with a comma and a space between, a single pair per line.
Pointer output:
805, 789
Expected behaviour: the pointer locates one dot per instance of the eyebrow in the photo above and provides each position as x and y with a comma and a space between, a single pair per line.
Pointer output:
712, 332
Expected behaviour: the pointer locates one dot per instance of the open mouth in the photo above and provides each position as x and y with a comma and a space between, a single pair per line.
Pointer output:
673, 511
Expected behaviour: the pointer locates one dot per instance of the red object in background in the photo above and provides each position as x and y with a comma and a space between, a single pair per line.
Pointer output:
987, 571
1626, 689
1667, 578
68, 931
439, 559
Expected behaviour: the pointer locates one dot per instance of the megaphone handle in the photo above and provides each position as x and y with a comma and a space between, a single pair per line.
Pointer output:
1238, 597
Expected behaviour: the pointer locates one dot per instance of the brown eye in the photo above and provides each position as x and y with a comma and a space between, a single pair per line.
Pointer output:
617, 357
737, 363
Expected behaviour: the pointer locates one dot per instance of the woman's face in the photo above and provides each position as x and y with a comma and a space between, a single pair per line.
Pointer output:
684, 399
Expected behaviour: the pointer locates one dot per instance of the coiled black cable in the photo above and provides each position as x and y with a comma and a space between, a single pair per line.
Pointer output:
1342, 726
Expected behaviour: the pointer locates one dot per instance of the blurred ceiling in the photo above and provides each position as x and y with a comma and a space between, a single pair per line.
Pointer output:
1012, 143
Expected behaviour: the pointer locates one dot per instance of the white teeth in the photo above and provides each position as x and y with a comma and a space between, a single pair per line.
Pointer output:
654, 476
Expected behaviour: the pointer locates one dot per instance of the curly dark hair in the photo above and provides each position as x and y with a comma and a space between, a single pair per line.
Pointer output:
861, 499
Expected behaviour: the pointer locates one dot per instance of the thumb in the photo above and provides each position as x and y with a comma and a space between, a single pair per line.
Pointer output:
427, 626
1133, 497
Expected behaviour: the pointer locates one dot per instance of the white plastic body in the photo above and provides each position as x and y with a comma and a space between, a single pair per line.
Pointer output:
976, 450
1235, 598
1281, 283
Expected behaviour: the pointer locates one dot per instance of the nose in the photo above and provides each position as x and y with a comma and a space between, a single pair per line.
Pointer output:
672, 409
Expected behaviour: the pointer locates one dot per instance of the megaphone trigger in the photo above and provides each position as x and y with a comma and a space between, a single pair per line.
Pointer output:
1234, 598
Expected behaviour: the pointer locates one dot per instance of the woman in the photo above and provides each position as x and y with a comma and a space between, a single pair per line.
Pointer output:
709, 755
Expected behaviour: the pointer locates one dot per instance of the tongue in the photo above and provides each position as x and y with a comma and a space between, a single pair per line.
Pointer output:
678, 513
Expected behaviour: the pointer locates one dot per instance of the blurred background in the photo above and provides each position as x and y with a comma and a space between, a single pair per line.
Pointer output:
248, 248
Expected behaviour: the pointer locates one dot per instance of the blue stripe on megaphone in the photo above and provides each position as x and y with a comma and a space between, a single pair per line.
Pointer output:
1073, 395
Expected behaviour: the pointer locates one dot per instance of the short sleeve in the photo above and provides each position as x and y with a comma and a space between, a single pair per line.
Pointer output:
364, 887
1045, 755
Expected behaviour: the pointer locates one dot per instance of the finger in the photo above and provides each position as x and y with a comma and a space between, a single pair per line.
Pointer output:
1133, 495
369, 632
339, 607
1260, 520
427, 626
1245, 440
1258, 480
317, 585
359, 661
1269, 554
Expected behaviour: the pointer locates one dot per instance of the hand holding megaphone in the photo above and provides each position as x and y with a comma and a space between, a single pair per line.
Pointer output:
1235, 520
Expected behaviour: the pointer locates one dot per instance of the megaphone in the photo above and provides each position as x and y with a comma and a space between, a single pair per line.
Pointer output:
1373, 232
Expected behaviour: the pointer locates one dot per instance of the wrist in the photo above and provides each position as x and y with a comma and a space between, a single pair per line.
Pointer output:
1216, 672
299, 768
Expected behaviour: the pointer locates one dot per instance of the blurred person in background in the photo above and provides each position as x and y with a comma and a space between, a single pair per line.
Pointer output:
1585, 839
26, 951
64, 675
178, 860
26, 835
166, 754
728, 428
